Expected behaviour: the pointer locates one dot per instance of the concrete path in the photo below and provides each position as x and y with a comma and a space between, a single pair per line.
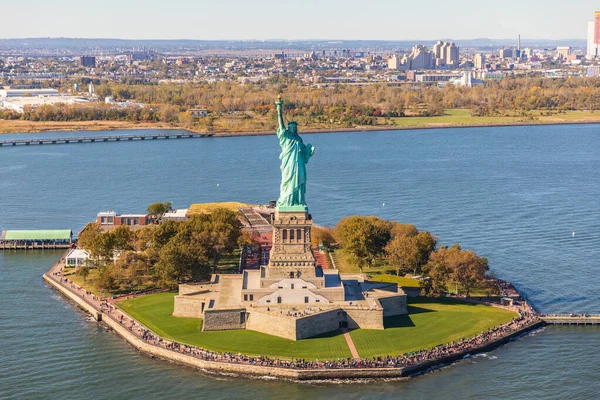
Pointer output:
350, 344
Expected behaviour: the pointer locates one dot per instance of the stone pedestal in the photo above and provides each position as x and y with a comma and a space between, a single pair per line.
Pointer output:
291, 255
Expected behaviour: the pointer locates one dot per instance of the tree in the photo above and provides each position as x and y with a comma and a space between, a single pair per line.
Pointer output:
399, 229
157, 210
88, 235
321, 235
83, 273
454, 266
363, 237
410, 252
184, 258
123, 238
106, 279
164, 233
222, 228
402, 253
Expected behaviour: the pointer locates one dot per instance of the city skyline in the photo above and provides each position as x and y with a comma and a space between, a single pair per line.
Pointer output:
268, 19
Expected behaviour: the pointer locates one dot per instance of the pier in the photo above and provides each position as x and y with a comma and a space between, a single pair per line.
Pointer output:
109, 138
49, 239
570, 319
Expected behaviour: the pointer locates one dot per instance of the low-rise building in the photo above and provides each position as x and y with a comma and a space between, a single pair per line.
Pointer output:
178, 215
112, 219
77, 258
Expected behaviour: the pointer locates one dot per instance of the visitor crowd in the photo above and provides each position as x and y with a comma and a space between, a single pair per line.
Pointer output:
436, 354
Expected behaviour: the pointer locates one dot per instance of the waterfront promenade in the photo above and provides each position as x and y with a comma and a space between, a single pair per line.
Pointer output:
380, 367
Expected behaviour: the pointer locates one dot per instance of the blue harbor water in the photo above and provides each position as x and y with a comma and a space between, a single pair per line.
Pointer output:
515, 195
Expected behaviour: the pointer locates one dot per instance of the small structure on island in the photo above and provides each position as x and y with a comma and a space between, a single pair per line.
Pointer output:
77, 258
291, 297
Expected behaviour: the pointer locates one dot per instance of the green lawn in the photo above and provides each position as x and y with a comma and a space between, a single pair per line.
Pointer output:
155, 311
463, 117
400, 280
430, 322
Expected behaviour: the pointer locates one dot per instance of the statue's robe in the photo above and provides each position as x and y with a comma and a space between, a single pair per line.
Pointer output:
294, 156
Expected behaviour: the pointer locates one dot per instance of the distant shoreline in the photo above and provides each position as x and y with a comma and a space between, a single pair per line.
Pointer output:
30, 127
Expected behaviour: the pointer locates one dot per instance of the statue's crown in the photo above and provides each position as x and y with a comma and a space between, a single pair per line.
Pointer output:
292, 123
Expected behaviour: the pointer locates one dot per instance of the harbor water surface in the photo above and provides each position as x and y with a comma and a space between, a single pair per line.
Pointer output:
525, 197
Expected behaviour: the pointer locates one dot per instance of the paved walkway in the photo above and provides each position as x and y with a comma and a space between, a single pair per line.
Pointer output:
350, 344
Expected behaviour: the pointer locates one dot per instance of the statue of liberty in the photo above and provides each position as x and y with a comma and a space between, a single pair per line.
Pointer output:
294, 156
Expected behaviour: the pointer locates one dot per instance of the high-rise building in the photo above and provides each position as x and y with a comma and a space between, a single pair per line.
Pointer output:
88, 61
479, 61
394, 62
597, 27
452, 55
437, 49
563, 52
592, 46
506, 53
420, 58
445, 53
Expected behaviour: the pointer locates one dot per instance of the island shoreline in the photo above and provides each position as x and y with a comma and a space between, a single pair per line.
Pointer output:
94, 127
272, 371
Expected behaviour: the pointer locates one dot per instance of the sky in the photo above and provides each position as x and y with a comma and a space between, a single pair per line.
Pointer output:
300, 19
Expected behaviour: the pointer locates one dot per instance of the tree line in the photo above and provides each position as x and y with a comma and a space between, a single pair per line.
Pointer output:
343, 105
407, 249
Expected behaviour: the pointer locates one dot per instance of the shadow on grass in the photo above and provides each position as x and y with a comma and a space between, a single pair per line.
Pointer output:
331, 334
398, 321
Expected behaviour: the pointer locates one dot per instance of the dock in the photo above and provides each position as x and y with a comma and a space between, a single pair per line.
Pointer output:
100, 139
569, 319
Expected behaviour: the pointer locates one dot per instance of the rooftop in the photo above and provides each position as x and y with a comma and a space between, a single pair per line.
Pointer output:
50, 234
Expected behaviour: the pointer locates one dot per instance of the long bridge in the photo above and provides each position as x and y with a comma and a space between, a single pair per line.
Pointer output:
109, 138
571, 319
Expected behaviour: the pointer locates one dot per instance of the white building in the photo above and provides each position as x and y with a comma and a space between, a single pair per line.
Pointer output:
394, 62
479, 61
77, 258
176, 215
28, 92
18, 104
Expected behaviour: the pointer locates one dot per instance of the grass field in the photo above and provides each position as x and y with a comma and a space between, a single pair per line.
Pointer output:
226, 126
155, 311
400, 280
207, 208
430, 322
463, 117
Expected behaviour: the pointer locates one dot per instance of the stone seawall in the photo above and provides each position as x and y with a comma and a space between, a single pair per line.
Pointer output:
258, 370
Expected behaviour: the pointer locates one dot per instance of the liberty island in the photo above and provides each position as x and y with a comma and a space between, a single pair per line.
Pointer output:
292, 298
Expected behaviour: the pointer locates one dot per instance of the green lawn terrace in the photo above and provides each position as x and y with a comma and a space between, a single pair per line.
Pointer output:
430, 322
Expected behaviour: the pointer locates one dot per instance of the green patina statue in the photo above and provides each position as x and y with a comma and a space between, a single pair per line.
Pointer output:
294, 156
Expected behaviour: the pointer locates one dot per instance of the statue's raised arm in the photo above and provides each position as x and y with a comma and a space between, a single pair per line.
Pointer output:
279, 104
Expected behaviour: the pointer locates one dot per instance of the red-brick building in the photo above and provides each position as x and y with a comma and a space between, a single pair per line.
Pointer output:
111, 218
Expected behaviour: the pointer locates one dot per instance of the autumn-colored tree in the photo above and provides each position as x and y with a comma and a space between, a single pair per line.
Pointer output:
453, 266
410, 252
321, 235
